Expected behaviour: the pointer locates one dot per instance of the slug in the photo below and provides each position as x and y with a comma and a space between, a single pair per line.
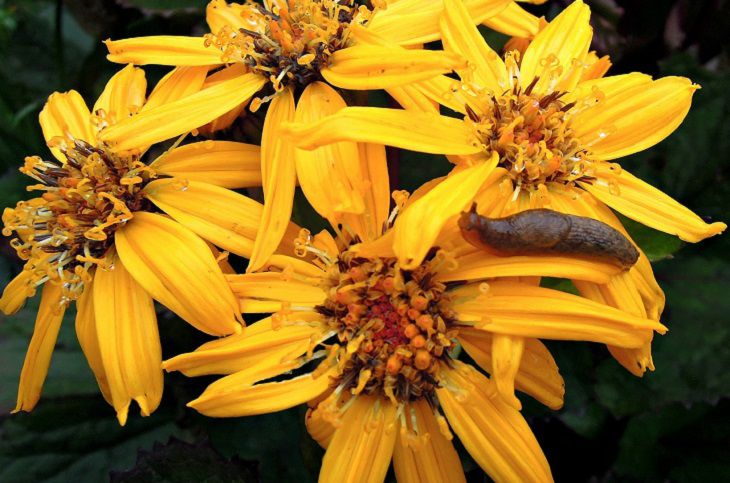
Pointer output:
548, 232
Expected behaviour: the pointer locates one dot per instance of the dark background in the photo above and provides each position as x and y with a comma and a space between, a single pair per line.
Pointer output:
671, 425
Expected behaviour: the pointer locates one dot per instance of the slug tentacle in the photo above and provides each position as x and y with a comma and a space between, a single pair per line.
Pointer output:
548, 232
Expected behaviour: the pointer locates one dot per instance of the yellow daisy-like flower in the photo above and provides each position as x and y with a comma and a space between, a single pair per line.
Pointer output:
556, 124
378, 342
94, 237
283, 48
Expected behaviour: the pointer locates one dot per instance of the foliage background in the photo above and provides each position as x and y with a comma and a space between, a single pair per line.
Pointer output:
671, 425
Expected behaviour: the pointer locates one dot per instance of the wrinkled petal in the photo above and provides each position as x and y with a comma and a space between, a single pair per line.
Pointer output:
278, 173
89, 339
123, 95
38, 357
178, 269
362, 447
318, 427
425, 132
17, 292
66, 113
129, 344
162, 50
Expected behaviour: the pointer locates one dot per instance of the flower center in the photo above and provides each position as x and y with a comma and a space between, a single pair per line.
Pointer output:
289, 41
394, 326
85, 199
532, 135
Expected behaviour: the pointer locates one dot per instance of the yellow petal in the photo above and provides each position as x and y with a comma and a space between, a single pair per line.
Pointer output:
367, 67
443, 90
362, 447
409, 22
129, 344
270, 397
66, 113
40, 349
374, 164
123, 95
566, 38
514, 21
17, 292
319, 428
276, 287
460, 35
538, 373
506, 356
412, 99
227, 119
425, 455
519, 309
425, 132
330, 176
642, 202
176, 84
634, 118
220, 13
222, 163
279, 179
494, 433
418, 226
162, 50
89, 339
178, 269
264, 340
182, 115
219, 215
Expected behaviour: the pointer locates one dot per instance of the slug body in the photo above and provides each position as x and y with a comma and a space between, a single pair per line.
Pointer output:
548, 232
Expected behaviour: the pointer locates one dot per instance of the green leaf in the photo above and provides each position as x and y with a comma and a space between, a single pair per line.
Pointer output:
178, 461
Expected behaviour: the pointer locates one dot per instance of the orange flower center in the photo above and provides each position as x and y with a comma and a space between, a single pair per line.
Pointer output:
532, 135
290, 41
85, 199
394, 326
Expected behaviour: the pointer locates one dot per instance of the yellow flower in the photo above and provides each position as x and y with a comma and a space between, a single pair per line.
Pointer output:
93, 237
556, 124
378, 342
285, 48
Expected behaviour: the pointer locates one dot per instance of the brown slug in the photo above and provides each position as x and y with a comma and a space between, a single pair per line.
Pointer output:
548, 232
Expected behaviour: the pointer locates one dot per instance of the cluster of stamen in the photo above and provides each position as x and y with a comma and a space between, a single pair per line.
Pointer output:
394, 326
68, 229
289, 41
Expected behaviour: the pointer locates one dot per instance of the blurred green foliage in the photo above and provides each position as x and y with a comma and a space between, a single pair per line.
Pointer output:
671, 425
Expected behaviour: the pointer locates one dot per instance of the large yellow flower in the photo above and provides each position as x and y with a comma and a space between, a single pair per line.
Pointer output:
556, 124
374, 346
287, 48
94, 237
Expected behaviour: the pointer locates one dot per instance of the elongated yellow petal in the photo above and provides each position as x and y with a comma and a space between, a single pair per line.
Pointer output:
519, 309
367, 67
89, 339
374, 164
507, 353
538, 373
319, 428
362, 447
66, 113
409, 22
460, 35
635, 118
418, 226
176, 84
263, 398
38, 358
129, 344
177, 268
226, 120
412, 99
264, 340
425, 132
162, 50
331, 175
494, 433
220, 13
123, 95
219, 215
183, 115
514, 21
443, 90
276, 286
278, 173
425, 455
565, 39
642, 202
222, 163
17, 292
